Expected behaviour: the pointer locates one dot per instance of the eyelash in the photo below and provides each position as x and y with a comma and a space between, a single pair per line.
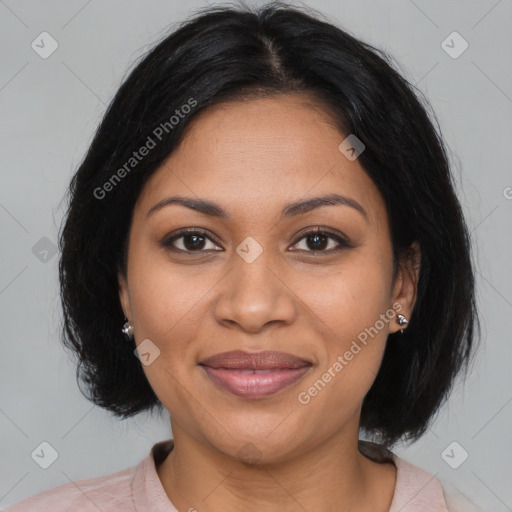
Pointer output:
343, 244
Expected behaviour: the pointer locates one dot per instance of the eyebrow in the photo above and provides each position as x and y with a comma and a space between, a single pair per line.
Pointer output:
291, 209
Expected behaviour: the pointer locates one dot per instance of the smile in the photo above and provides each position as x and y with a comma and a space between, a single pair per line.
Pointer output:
251, 383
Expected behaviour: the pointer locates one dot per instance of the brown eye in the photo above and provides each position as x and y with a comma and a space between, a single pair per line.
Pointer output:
318, 241
189, 240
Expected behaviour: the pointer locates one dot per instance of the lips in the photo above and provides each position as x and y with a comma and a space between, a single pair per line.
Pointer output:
268, 360
256, 374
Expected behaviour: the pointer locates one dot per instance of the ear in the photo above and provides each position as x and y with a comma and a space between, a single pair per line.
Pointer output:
405, 289
124, 296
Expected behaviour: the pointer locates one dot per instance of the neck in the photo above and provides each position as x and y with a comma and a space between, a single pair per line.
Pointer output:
331, 476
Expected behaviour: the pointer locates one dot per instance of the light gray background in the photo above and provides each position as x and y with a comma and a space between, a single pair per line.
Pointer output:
49, 110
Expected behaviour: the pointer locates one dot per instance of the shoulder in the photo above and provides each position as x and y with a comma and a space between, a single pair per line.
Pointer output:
416, 490
105, 493
457, 501
419, 491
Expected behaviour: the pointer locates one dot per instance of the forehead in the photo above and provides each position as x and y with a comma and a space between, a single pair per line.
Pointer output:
262, 153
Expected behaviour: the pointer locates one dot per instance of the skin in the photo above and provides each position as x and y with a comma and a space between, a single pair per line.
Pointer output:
252, 158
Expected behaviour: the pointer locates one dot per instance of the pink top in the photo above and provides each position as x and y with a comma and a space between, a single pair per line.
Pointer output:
138, 489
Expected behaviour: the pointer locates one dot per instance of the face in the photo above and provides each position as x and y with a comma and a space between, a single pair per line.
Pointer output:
260, 278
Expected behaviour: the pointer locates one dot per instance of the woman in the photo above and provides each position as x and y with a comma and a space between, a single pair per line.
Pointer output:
264, 240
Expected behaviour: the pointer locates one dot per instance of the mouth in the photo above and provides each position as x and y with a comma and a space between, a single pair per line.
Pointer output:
256, 374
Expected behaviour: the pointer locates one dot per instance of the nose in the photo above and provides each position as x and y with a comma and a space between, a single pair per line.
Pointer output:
255, 294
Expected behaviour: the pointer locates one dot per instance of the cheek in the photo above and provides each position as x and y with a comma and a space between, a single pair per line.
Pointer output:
167, 309
351, 297
166, 299
343, 378
352, 312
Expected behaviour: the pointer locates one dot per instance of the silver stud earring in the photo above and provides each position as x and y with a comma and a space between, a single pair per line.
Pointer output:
127, 330
402, 321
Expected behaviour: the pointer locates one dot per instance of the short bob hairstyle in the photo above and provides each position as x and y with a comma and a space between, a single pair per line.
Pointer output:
234, 53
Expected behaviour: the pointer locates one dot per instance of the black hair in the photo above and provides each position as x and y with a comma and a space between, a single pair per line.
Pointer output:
229, 53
